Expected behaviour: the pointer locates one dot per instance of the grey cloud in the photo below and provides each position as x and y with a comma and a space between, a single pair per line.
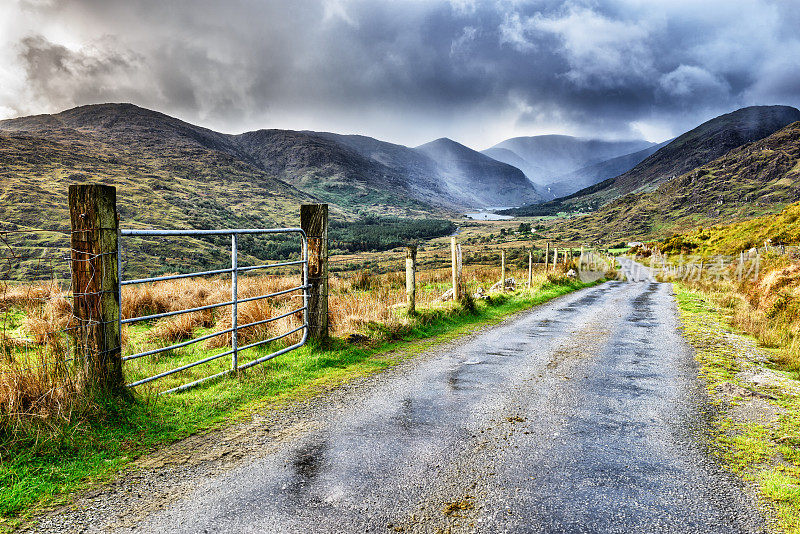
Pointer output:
62, 76
413, 71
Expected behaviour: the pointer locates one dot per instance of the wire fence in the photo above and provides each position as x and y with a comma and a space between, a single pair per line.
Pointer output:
47, 323
39, 330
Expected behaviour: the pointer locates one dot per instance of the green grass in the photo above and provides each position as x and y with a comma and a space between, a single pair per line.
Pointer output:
766, 455
37, 471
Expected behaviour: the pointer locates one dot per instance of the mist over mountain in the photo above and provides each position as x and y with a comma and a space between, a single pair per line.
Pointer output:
688, 151
470, 174
444, 171
546, 158
571, 182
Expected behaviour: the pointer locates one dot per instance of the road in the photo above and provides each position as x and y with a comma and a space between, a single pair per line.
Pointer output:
583, 415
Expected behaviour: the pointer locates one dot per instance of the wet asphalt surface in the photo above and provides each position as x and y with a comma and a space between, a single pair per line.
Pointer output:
582, 415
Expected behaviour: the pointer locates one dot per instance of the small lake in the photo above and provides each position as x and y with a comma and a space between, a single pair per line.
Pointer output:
489, 215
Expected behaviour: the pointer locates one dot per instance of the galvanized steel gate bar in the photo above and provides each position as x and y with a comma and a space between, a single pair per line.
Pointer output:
234, 271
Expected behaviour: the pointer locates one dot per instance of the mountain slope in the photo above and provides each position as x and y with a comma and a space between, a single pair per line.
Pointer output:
335, 173
701, 145
419, 171
754, 179
512, 158
151, 157
470, 174
548, 157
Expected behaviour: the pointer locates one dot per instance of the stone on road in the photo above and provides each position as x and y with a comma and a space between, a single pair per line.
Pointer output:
582, 415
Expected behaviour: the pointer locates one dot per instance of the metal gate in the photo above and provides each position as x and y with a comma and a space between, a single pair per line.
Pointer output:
234, 302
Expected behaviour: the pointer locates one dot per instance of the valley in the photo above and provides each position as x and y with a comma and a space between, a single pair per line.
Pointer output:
678, 197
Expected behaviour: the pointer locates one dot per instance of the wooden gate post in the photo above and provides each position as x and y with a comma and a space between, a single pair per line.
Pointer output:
314, 222
95, 286
411, 283
454, 255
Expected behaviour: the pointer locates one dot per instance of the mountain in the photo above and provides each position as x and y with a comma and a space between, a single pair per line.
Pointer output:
544, 158
701, 145
751, 180
512, 158
569, 183
169, 172
133, 146
340, 175
419, 170
472, 175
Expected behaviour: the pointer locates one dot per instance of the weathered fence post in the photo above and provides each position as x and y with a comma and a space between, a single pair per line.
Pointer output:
411, 282
530, 268
95, 285
454, 254
460, 271
546, 255
314, 222
555, 258
502, 270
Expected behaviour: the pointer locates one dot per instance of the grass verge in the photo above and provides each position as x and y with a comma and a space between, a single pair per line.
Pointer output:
756, 416
38, 470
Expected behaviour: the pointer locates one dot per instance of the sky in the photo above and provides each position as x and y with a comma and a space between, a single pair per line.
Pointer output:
407, 71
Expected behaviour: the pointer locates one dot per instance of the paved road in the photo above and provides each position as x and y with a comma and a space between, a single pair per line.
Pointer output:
579, 416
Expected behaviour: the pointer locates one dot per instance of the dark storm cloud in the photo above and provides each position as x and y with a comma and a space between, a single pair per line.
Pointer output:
415, 70
59, 74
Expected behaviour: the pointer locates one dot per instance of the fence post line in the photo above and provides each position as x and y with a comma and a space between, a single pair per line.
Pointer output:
454, 255
95, 285
546, 255
314, 222
235, 300
411, 282
460, 271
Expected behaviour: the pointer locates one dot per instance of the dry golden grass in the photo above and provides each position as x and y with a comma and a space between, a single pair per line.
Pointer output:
768, 307
48, 390
35, 376
358, 302
27, 296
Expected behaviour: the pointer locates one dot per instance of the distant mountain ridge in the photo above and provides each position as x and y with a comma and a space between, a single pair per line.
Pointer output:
703, 144
355, 173
590, 175
546, 158
447, 169
753, 179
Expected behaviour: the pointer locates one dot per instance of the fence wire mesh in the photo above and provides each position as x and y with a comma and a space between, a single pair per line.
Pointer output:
43, 338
